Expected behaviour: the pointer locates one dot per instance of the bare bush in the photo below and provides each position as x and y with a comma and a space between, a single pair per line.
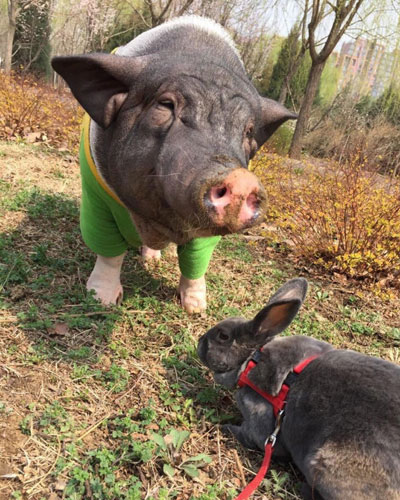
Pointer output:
344, 133
33, 111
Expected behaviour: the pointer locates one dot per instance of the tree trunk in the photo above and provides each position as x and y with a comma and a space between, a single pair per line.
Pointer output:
301, 126
12, 22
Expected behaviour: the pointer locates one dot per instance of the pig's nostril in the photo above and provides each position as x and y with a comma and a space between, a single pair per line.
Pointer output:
251, 209
253, 201
219, 196
221, 192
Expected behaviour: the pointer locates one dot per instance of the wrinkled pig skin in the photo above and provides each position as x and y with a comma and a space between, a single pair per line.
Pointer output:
175, 123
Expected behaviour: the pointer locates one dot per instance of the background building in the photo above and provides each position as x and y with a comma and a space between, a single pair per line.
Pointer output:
359, 62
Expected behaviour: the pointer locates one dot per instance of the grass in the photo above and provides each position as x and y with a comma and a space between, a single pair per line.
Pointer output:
113, 403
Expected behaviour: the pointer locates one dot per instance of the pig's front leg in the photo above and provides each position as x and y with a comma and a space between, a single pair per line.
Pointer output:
193, 294
194, 258
149, 254
105, 279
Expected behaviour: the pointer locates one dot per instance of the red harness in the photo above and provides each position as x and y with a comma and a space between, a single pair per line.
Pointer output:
278, 403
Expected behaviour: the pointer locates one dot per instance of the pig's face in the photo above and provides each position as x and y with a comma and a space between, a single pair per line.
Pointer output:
179, 137
193, 136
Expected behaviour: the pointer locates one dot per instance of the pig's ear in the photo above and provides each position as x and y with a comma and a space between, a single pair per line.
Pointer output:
100, 82
280, 310
273, 115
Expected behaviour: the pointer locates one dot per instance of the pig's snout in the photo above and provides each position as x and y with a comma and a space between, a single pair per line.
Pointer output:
222, 196
236, 201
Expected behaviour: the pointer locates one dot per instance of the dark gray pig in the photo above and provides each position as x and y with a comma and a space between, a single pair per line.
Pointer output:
175, 121
342, 417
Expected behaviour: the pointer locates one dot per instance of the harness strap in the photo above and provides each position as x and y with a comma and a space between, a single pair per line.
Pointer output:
300, 367
278, 402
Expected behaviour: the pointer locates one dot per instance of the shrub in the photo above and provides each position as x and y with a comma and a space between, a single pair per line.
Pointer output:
33, 111
281, 139
339, 215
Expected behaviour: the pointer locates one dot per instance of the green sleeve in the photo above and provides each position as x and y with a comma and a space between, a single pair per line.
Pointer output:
195, 256
106, 226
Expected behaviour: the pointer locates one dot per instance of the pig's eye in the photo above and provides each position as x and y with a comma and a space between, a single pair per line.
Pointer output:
249, 143
162, 113
167, 103
250, 132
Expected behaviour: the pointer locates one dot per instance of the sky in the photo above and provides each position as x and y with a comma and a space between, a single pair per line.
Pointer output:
381, 22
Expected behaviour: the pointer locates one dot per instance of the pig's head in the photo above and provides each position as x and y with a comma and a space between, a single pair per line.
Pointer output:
180, 128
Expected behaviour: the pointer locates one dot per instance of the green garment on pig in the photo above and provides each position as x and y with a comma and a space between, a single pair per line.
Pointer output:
107, 228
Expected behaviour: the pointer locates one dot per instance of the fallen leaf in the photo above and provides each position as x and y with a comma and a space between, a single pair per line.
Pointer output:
152, 427
60, 485
137, 436
59, 329
18, 292
168, 439
236, 482
340, 278
33, 137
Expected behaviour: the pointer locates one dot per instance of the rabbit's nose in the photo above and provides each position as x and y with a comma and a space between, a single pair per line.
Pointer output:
202, 349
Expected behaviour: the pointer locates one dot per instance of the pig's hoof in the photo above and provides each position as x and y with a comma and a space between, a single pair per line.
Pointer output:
193, 294
107, 294
148, 253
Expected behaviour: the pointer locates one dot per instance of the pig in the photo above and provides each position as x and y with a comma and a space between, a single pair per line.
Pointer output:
173, 121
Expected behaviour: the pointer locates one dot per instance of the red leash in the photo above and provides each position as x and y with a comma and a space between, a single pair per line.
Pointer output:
278, 403
251, 487
269, 448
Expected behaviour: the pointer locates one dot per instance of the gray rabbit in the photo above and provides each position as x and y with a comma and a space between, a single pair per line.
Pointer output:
342, 417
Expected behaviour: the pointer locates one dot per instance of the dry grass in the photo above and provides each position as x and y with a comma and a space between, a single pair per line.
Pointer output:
83, 389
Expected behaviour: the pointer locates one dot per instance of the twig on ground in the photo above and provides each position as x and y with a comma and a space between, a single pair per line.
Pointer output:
49, 471
240, 468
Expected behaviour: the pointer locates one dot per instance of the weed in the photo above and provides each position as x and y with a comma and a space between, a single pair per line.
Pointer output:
168, 449
277, 485
97, 473
116, 378
394, 333
4, 410
215, 492
360, 329
321, 295
235, 248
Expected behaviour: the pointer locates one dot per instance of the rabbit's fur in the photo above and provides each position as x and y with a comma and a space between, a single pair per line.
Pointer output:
342, 417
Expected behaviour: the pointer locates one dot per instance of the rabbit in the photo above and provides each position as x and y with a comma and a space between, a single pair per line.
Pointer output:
342, 415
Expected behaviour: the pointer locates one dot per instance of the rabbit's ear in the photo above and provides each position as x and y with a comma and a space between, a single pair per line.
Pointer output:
280, 310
